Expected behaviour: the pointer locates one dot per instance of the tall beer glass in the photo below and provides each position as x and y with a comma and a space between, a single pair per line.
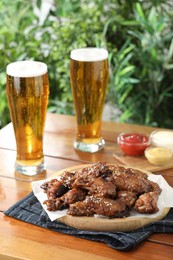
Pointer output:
27, 90
89, 73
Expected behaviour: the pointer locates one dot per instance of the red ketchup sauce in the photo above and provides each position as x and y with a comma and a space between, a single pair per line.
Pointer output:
133, 144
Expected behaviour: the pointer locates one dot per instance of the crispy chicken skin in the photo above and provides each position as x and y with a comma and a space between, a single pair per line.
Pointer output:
54, 188
68, 178
147, 203
102, 189
64, 201
131, 183
99, 205
89, 173
128, 171
128, 197
155, 187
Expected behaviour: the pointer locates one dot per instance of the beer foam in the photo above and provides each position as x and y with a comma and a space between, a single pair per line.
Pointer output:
26, 69
89, 54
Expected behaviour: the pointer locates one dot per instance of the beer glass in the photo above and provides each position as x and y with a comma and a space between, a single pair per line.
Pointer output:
27, 90
89, 73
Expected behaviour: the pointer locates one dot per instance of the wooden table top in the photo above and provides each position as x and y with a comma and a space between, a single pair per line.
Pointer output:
19, 240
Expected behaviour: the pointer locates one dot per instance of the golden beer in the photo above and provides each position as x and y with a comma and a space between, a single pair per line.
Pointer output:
89, 73
27, 92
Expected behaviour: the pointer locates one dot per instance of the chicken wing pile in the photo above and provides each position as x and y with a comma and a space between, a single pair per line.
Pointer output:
103, 189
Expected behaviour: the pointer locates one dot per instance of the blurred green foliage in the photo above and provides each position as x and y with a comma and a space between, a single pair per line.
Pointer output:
137, 34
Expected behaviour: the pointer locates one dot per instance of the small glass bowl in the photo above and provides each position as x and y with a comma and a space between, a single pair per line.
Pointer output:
162, 138
158, 155
133, 144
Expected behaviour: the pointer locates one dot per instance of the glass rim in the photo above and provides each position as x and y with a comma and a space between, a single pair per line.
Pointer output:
159, 136
89, 54
137, 144
150, 148
26, 68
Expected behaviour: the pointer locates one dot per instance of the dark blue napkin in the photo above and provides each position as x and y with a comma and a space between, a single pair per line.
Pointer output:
30, 210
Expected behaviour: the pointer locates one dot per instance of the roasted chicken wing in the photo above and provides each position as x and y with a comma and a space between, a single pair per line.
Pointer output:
147, 203
99, 205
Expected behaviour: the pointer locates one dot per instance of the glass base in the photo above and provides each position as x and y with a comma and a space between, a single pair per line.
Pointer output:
89, 147
30, 170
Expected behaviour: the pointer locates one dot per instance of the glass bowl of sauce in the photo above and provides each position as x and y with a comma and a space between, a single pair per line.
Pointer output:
133, 144
162, 138
158, 155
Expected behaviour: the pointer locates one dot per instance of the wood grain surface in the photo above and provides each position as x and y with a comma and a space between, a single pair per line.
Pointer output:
20, 240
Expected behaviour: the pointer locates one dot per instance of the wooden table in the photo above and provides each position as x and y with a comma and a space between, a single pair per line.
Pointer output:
19, 240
